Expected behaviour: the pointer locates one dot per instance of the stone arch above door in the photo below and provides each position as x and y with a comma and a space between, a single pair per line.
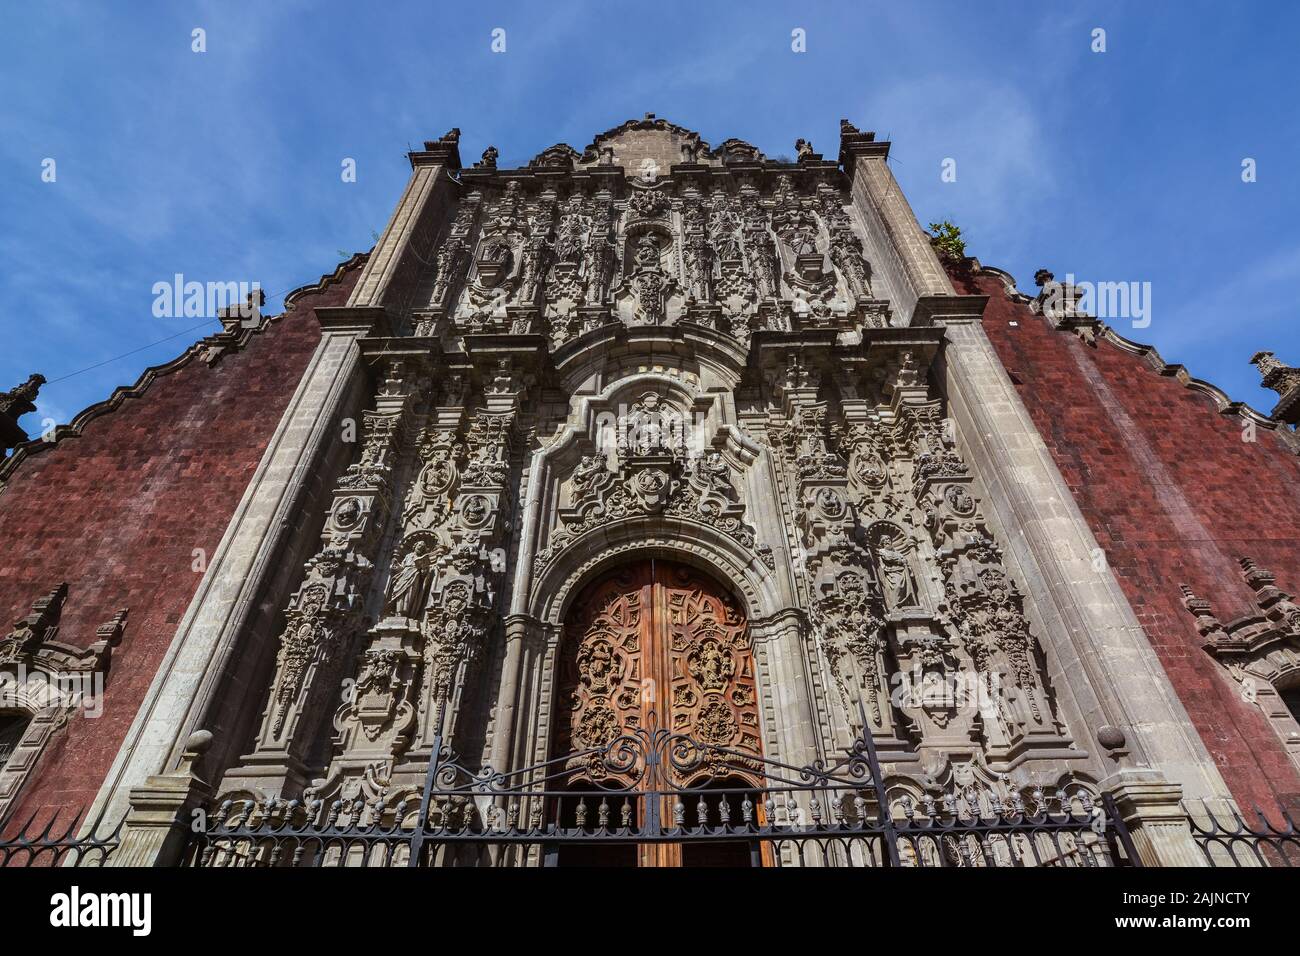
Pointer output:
698, 546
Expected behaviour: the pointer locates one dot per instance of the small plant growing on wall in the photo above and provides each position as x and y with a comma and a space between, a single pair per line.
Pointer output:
947, 241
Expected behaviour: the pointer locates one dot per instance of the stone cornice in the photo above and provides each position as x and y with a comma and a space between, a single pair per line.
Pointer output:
948, 309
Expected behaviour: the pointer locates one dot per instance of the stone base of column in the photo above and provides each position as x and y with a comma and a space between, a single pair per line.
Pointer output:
1152, 809
157, 827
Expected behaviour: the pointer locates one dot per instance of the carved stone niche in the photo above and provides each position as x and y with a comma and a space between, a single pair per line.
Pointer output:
649, 293
504, 268
1260, 649
47, 680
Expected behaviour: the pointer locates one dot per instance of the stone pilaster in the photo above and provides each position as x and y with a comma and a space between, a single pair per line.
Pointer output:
1152, 809
162, 812
1098, 650
215, 627
897, 246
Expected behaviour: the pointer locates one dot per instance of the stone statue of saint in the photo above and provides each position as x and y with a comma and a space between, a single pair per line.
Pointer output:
896, 576
407, 591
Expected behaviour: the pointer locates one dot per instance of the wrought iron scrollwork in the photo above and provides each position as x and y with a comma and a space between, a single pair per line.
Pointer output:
840, 813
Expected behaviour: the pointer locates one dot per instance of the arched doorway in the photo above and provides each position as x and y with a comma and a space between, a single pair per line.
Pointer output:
658, 645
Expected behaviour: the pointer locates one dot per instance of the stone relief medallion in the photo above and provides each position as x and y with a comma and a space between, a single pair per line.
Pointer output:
348, 513
476, 510
831, 503
651, 488
869, 469
959, 500
437, 477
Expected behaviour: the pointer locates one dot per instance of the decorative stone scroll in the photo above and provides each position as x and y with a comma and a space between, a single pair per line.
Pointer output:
699, 489
47, 680
1260, 649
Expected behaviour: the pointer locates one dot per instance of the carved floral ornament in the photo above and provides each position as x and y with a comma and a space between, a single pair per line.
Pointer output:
565, 257
697, 489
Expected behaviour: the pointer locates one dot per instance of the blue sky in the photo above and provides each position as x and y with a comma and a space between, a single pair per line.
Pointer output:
225, 165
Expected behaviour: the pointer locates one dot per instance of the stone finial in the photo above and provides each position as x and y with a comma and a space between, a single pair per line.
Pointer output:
1283, 379
489, 159
40, 625
1058, 301
20, 400
1193, 603
247, 314
445, 150
1255, 576
1111, 737
1207, 624
856, 143
451, 136
848, 129
803, 150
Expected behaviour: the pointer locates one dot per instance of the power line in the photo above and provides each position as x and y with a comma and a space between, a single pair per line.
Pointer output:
115, 358
175, 335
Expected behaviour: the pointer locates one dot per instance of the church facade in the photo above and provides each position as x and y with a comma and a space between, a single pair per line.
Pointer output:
656, 436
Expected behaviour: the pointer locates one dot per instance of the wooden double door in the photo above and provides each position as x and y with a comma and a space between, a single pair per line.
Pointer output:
658, 644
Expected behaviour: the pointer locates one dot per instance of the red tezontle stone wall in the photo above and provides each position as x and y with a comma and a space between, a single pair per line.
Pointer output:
117, 512
1174, 496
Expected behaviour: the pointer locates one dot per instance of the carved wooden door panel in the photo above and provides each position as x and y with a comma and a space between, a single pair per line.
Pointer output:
603, 673
709, 666
658, 644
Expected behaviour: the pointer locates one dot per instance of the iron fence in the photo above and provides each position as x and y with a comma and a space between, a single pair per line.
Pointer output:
658, 797
52, 844
1228, 840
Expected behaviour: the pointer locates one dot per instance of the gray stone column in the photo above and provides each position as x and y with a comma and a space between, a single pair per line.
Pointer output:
188, 687
786, 687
